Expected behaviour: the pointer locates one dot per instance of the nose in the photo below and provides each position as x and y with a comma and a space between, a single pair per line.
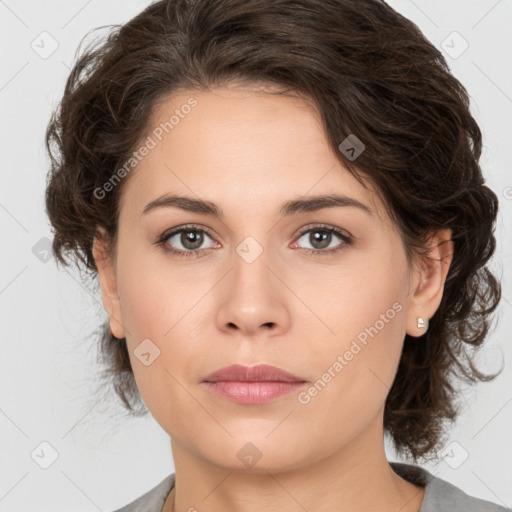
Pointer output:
253, 298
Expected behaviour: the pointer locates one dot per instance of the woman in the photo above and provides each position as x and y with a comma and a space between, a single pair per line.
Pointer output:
283, 204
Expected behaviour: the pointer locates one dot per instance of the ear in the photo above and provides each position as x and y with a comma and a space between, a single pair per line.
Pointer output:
428, 282
107, 278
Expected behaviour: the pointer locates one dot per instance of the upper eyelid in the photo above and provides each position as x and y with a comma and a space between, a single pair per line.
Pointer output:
327, 227
186, 227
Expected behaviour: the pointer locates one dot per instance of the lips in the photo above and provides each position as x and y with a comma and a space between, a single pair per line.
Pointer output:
258, 373
252, 385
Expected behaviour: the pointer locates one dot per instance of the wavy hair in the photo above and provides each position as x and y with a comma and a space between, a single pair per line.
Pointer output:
368, 71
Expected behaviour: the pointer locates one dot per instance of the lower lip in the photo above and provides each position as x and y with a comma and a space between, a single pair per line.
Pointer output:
253, 392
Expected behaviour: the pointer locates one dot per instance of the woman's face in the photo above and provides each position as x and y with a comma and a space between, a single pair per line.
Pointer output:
265, 286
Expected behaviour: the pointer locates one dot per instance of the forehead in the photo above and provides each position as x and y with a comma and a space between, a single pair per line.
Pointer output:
241, 146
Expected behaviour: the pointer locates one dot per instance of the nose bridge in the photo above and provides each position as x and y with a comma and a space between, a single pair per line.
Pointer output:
254, 297
251, 264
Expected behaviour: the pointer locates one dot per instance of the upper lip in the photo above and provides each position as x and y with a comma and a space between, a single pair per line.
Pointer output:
258, 373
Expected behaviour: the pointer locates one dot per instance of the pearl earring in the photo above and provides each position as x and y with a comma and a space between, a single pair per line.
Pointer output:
421, 323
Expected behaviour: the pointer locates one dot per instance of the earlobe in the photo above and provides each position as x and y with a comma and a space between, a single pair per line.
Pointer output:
108, 284
429, 283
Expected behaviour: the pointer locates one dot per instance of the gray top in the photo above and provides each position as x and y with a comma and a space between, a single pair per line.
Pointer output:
440, 496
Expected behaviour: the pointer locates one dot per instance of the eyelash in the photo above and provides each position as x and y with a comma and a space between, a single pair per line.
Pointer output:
346, 239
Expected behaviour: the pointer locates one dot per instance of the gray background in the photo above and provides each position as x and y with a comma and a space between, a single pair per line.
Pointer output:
47, 359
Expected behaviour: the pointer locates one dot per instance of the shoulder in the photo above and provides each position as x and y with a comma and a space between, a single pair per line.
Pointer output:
152, 500
441, 495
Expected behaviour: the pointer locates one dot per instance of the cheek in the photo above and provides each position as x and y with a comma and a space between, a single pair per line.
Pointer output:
356, 359
362, 303
353, 379
151, 295
161, 325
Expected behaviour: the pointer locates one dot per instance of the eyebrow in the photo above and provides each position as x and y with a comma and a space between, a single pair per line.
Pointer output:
293, 207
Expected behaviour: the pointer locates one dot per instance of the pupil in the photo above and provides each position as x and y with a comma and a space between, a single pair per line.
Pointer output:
188, 237
321, 238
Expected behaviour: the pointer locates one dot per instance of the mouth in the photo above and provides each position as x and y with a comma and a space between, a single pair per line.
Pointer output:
252, 385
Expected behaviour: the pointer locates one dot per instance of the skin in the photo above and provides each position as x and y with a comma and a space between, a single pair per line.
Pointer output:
213, 309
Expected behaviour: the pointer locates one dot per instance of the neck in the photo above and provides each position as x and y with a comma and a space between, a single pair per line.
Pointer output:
356, 477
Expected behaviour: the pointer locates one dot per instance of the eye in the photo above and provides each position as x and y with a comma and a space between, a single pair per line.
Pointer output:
190, 237
321, 237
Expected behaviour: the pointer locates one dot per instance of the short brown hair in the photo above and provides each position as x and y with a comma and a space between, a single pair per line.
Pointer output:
368, 71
